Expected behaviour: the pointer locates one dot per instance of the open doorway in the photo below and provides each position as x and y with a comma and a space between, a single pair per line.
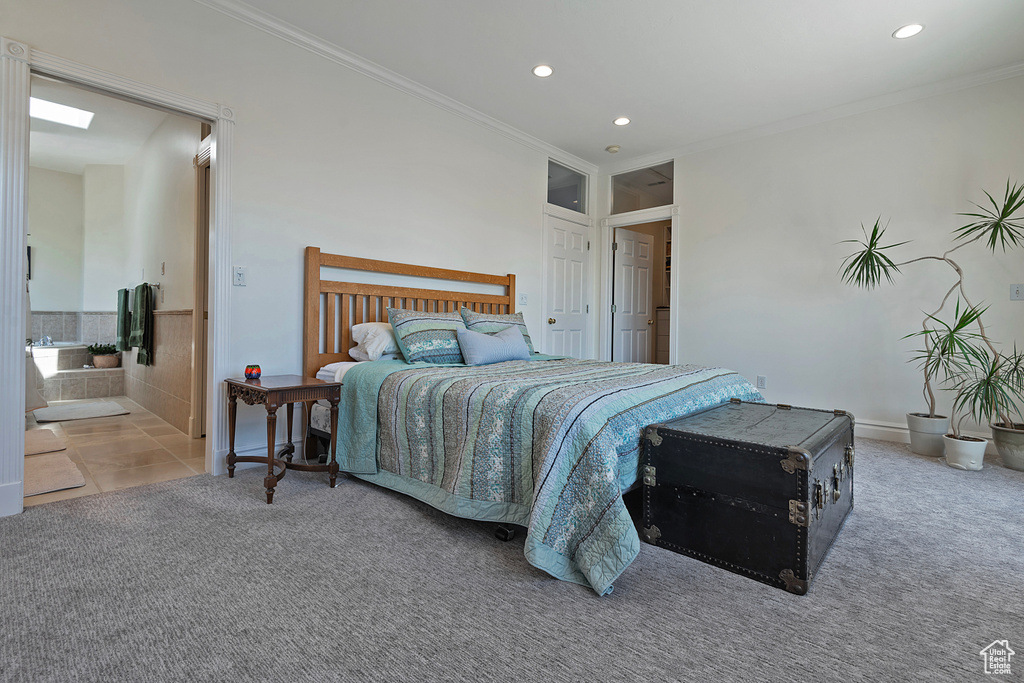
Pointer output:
111, 225
641, 292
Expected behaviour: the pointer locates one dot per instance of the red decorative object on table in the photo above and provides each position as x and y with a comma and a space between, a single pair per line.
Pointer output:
252, 372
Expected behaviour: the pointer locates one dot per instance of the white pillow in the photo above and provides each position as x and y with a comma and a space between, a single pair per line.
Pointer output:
372, 341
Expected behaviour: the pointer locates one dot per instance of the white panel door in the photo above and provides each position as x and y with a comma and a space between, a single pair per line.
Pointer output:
633, 317
568, 283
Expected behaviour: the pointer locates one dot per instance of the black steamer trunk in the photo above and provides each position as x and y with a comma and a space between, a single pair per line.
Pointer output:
761, 490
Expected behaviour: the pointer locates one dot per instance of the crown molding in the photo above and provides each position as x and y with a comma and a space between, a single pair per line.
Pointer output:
281, 29
825, 115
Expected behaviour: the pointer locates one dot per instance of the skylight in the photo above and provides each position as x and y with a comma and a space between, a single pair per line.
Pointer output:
59, 113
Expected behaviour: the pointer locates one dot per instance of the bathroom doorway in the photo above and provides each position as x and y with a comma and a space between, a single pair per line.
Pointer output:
112, 205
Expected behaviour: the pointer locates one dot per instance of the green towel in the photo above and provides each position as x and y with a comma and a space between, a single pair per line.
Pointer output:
124, 320
142, 324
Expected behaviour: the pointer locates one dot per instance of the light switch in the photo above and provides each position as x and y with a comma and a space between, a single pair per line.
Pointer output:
522, 299
239, 276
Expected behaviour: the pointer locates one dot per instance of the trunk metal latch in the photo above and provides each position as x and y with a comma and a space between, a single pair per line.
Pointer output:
650, 476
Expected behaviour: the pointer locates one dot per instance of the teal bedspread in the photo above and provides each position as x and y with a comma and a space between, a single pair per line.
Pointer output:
547, 444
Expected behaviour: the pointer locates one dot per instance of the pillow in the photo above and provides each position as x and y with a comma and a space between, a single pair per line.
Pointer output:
489, 323
373, 340
479, 348
427, 337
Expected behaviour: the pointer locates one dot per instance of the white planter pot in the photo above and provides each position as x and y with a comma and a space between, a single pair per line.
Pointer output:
965, 454
926, 433
1010, 444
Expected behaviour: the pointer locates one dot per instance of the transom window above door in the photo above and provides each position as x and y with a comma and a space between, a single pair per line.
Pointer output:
645, 188
566, 188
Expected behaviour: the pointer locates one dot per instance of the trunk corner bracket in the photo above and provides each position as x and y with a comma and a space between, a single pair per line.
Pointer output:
651, 534
793, 584
654, 437
798, 459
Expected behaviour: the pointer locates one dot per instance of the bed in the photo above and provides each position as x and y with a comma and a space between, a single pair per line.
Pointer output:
546, 443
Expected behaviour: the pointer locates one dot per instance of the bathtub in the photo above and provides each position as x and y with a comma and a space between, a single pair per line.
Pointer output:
61, 374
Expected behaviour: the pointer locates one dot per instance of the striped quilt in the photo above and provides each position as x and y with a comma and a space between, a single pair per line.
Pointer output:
546, 444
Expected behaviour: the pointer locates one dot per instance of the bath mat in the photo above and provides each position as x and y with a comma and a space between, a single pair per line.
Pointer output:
79, 411
51, 472
43, 441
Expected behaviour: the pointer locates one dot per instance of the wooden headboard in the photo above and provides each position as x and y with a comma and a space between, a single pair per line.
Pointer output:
332, 307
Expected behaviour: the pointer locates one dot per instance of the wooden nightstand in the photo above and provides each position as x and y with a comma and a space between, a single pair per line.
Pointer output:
272, 392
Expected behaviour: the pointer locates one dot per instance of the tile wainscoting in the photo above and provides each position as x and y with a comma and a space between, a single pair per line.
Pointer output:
164, 388
87, 327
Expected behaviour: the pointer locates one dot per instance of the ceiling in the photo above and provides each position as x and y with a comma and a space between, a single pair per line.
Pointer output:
684, 71
118, 129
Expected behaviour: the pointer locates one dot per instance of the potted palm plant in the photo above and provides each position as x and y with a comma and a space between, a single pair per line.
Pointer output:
999, 226
987, 385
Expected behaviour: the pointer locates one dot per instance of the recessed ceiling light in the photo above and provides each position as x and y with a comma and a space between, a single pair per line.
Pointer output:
542, 71
907, 31
621, 121
59, 113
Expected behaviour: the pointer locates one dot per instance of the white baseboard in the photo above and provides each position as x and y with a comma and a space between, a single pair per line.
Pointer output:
891, 431
12, 498
220, 465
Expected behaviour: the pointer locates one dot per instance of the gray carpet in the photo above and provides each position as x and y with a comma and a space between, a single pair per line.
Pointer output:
199, 579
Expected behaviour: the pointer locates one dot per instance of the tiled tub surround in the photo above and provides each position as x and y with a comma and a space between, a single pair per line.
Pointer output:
88, 327
61, 376
164, 388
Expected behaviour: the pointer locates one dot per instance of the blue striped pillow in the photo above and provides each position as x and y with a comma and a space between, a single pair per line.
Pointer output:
489, 323
479, 348
427, 337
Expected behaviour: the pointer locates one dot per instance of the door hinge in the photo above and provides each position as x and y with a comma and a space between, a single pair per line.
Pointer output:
588, 245
588, 308
615, 246
613, 308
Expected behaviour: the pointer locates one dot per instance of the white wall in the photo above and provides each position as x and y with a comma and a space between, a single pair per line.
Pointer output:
758, 252
322, 156
55, 207
159, 211
104, 268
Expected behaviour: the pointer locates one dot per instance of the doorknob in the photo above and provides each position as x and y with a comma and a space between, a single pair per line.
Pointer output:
551, 321
650, 322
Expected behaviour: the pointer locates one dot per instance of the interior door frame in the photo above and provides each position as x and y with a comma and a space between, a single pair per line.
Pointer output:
18, 61
606, 274
585, 220
197, 414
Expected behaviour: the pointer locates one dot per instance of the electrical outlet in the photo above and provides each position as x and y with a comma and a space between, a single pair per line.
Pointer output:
1016, 292
239, 276
522, 299
762, 382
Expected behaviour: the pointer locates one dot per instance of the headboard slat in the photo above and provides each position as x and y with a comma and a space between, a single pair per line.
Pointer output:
331, 324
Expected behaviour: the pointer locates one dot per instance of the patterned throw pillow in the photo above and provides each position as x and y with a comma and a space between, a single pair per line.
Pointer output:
489, 323
479, 348
427, 337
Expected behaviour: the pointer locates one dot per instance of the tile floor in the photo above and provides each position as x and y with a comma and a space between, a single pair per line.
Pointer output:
123, 451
